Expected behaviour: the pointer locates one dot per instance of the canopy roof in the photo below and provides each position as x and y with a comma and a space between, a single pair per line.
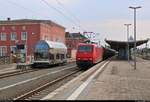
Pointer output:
123, 44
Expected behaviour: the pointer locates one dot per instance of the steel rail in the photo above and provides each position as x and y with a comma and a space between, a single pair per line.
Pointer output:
18, 72
41, 88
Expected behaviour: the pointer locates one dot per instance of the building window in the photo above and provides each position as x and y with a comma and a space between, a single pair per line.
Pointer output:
13, 49
13, 27
13, 36
23, 27
57, 39
3, 36
46, 37
69, 46
33, 33
23, 35
3, 28
3, 50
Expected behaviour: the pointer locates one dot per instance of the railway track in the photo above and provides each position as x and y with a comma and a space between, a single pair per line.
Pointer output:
45, 89
18, 87
18, 72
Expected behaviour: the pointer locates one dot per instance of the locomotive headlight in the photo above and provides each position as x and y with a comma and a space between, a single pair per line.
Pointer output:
90, 58
79, 58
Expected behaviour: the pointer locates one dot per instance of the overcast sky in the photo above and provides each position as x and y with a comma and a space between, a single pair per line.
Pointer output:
106, 17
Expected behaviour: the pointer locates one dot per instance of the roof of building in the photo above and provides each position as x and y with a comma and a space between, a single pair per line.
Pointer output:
75, 35
20, 21
122, 44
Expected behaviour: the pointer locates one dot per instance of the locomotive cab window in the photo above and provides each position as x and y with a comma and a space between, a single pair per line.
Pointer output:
85, 48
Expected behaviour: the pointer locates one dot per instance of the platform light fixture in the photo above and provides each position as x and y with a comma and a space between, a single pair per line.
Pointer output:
128, 40
134, 8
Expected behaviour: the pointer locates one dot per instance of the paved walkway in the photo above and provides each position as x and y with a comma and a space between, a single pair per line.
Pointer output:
119, 81
5, 66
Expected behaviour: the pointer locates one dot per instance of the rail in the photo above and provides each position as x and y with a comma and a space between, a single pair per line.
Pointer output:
41, 88
18, 72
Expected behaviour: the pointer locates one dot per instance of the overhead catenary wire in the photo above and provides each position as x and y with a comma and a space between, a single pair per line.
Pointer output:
33, 11
27, 9
38, 13
58, 2
71, 14
54, 8
60, 12
77, 20
20, 6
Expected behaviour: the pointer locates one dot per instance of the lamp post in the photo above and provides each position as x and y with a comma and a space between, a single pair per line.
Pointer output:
134, 8
147, 48
17, 52
128, 39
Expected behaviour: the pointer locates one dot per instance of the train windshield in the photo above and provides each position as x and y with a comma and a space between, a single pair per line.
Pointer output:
85, 48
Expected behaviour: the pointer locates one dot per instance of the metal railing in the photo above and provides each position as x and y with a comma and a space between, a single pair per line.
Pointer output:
4, 60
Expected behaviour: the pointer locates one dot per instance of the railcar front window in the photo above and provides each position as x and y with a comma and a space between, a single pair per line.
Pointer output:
85, 48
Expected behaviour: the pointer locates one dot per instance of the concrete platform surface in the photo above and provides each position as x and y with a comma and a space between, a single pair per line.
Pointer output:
7, 68
118, 81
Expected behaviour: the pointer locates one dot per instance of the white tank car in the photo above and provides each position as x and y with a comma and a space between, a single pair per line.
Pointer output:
49, 53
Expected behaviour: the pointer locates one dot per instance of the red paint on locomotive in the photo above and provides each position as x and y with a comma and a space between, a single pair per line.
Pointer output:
89, 54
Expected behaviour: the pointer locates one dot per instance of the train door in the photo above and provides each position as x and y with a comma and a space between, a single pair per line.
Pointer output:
51, 58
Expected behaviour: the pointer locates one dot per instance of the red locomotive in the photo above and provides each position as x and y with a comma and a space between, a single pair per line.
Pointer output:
89, 54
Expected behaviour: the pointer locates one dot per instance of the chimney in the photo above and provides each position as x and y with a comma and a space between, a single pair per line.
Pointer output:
8, 19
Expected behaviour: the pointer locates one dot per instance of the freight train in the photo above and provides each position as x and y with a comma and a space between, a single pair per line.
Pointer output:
49, 53
89, 54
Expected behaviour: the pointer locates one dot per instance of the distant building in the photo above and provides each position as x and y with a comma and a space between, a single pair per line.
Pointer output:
131, 39
72, 41
27, 32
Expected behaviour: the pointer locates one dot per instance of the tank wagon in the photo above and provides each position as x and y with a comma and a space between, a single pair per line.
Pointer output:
49, 53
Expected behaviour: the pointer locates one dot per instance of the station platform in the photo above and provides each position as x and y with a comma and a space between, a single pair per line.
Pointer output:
109, 80
4, 66
69, 60
7, 68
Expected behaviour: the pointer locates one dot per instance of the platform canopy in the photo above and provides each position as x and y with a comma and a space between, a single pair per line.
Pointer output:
122, 47
123, 44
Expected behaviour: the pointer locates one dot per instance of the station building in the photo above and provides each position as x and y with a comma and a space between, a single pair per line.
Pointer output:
72, 41
27, 32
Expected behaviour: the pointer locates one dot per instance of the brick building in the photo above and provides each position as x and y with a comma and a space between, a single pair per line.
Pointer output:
27, 32
72, 41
